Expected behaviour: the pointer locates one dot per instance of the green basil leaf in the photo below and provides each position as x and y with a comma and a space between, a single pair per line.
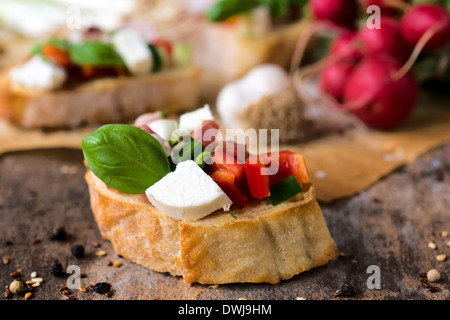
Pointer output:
157, 59
64, 44
95, 53
225, 9
284, 190
125, 157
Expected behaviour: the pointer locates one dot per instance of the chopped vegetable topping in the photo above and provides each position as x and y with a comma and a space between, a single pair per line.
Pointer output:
284, 190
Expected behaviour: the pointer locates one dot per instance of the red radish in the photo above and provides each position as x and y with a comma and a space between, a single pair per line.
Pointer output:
340, 12
387, 7
386, 40
345, 44
421, 18
334, 78
383, 102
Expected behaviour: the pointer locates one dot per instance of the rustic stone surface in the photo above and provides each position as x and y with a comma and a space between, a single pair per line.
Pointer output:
388, 225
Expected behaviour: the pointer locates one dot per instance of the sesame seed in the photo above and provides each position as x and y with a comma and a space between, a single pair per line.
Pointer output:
101, 253
35, 285
8, 293
431, 245
117, 264
441, 257
96, 244
444, 234
38, 280
66, 292
6, 260
33, 274
28, 295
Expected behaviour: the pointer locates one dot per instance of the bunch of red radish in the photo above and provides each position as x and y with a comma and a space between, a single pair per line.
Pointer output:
370, 69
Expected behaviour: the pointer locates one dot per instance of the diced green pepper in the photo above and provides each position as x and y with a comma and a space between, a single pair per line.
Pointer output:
284, 190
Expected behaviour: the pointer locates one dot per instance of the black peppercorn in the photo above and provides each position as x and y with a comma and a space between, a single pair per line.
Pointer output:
6, 242
102, 287
347, 290
59, 234
57, 268
78, 251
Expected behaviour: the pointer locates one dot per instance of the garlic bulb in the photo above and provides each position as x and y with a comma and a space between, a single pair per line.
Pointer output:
237, 96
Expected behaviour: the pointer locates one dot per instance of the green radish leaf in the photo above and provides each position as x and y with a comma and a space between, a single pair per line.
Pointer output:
125, 157
225, 9
95, 53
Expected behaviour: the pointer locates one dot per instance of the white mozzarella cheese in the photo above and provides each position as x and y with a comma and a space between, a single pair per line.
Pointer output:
38, 74
133, 50
188, 193
163, 127
190, 120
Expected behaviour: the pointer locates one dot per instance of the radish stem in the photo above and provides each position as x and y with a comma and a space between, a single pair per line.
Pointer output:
397, 4
302, 42
416, 52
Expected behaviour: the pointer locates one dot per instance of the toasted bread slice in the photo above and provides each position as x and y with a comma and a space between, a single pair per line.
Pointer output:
235, 55
264, 244
99, 101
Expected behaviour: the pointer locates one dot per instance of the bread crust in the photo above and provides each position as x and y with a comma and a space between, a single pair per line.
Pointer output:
264, 244
106, 100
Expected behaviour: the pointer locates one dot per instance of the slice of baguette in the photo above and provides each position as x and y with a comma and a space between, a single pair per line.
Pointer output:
226, 55
264, 244
99, 101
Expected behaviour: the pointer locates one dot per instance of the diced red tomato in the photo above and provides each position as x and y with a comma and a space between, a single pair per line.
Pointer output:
236, 150
226, 181
289, 164
257, 180
221, 160
56, 55
166, 45
206, 133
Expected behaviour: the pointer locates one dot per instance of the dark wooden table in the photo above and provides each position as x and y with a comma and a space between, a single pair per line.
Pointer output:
388, 225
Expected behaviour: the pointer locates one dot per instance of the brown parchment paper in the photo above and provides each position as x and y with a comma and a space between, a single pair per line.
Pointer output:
343, 165
339, 165
15, 139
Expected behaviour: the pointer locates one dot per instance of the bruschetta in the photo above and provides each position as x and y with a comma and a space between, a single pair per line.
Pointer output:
175, 197
97, 78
